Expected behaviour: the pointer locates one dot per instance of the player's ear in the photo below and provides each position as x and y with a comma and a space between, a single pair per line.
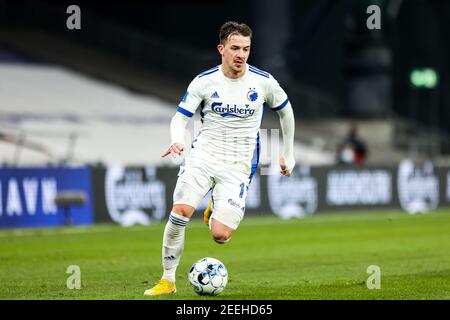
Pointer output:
220, 48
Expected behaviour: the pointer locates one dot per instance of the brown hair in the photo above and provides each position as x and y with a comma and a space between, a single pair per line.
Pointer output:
231, 27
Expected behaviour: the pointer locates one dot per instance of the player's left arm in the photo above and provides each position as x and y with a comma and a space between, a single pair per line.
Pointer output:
287, 123
278, 101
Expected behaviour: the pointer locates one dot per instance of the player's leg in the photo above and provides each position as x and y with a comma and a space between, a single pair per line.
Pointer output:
230, 193
192, 185
173, 244
173, 238
220, 231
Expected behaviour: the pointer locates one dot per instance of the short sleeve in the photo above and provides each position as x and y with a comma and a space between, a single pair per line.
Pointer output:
276, 98
191, 98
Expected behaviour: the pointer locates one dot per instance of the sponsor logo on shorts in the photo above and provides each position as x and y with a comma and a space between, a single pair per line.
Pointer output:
235, 204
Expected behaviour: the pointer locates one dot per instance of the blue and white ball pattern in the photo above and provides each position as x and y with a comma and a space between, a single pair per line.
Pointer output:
208, 276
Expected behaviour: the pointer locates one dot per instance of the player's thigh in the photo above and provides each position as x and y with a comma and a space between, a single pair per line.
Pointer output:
229, 195
221, 231
192, 185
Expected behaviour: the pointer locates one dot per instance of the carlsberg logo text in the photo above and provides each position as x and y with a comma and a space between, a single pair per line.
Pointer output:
232, 110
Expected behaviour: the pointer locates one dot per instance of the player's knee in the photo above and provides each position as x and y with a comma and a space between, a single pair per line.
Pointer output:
222, 240
221, 236
183, 210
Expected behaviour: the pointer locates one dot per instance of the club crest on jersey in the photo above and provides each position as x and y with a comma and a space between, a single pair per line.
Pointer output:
252, 95
232, 110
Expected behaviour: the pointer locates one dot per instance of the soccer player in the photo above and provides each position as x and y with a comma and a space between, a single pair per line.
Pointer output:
224, 156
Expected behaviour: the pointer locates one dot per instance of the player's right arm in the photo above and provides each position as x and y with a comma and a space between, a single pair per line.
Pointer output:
177, 130
186, 109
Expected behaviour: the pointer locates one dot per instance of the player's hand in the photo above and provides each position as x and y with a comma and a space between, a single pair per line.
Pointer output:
286, 166
176, 148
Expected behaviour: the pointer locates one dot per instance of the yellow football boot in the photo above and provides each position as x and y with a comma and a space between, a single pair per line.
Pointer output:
207, 212
162, 287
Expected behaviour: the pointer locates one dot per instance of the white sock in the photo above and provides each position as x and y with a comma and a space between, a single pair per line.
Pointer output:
173, 245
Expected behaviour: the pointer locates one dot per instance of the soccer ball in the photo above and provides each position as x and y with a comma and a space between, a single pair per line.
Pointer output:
208, 276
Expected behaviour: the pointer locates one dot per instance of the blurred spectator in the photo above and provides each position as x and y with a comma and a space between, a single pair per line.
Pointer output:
352, 150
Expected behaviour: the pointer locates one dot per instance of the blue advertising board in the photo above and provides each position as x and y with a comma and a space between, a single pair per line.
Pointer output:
27, 196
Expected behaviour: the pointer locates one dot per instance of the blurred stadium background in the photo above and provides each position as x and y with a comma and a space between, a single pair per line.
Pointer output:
96, 103
84, 119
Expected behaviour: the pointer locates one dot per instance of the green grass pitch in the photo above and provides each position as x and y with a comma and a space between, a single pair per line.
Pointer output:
323, 256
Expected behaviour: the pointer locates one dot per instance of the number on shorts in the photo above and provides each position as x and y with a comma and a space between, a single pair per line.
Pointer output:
241, 194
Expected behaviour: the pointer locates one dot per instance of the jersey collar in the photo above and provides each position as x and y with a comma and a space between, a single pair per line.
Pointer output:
237, 79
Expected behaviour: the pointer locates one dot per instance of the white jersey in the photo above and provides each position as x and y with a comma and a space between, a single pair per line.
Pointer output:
231, 112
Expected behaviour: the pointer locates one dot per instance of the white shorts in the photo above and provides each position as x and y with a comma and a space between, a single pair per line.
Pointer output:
229, 184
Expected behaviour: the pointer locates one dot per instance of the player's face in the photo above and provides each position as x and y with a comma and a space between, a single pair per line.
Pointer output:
235, 52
